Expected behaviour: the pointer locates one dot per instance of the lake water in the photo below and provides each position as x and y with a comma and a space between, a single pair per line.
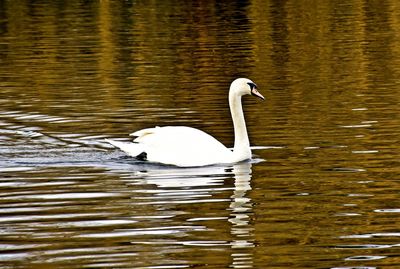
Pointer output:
322, 190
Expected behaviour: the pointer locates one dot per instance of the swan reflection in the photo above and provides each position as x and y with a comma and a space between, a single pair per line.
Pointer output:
241, 207
214, 201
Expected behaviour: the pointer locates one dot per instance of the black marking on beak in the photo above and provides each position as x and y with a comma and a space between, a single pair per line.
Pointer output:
254, 91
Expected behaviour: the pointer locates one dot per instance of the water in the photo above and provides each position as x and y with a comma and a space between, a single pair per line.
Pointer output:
321, 192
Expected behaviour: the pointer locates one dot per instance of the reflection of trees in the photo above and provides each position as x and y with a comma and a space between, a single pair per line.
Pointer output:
191, 44
322, 57
132, 56
115, 56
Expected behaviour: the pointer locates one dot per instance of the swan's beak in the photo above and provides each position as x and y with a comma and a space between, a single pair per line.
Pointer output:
254, 92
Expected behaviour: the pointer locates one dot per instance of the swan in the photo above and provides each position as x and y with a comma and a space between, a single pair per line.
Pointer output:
189, 147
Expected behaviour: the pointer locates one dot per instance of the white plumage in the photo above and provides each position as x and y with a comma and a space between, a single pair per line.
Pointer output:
185, 146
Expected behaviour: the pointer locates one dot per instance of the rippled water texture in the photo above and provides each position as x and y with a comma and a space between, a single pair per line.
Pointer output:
322, 190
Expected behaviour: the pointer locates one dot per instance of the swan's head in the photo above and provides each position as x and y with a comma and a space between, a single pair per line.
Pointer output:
244, 86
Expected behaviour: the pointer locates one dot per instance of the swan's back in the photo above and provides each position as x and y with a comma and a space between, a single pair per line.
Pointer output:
182, 146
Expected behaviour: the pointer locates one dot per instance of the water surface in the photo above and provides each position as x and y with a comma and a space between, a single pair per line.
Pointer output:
322, 190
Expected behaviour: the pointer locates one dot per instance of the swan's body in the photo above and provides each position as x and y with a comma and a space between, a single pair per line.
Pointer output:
186, 146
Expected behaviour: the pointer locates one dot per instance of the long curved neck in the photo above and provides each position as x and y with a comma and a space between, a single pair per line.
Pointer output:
242, 144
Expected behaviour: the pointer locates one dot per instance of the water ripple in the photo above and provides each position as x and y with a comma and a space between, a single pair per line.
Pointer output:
372, 235
388, 210
355, 267
148, 231
365, 258
366, 246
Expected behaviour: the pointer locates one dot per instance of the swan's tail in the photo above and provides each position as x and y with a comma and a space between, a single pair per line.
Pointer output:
132, 149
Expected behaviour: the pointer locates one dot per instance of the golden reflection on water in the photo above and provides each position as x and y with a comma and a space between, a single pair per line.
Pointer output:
324, 195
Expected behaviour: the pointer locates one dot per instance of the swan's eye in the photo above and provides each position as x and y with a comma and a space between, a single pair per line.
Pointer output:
252, 85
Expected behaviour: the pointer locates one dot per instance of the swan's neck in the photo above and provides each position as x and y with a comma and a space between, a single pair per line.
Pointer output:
241, 148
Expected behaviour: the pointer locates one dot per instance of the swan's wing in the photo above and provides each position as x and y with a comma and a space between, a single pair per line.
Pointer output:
142, 133
182, 146
132, 149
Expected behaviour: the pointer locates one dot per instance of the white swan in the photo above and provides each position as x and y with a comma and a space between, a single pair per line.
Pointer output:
185, 146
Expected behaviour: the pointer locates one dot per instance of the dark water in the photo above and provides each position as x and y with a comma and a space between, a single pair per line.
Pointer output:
323, 190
